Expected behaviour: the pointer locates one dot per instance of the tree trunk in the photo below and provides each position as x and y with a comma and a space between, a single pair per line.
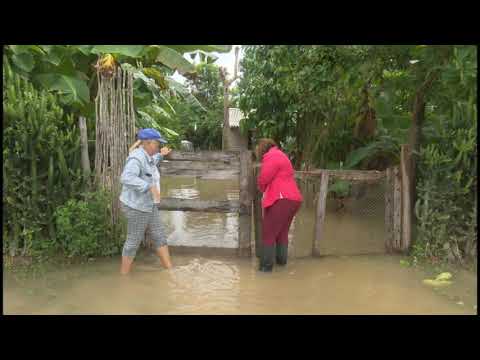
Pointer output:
226, 100
415, 135
298, 141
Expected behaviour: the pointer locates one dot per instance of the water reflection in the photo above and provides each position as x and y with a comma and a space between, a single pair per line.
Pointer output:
357, 228
199, 229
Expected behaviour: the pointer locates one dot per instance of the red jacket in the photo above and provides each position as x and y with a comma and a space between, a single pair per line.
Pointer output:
277, 178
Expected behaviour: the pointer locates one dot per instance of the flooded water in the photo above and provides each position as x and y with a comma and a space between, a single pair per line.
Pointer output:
351, 227
228, 285
335, 284
200, 229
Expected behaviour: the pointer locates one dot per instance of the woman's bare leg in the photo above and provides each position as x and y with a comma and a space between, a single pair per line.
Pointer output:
126, 265
164, 256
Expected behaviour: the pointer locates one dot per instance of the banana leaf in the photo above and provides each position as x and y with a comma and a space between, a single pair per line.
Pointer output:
134, 51
74, 90
173, 59
206, 48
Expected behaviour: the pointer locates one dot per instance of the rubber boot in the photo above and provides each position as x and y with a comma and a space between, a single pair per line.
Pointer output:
267, 258
282, 254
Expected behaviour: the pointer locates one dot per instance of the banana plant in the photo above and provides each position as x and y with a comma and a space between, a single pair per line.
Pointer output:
68, 69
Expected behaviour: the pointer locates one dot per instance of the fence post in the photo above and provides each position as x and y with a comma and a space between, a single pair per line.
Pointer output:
406, 198
257, 203
246, 197
82, 124
397, 209
322, 199
389, 210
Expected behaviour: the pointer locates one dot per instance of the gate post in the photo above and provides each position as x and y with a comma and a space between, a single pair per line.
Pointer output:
405, 163
397, 209
257, 214
389, 210
246, 198
322, 200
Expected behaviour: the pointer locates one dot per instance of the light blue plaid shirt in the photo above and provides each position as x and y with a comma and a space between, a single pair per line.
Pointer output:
137, 178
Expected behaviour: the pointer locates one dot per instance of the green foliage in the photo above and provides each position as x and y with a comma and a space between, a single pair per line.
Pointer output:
68, 69
310, 93
84, 227
340, 187
45, 88
41, 162
351, 106
75, 91
203, 125
446, 207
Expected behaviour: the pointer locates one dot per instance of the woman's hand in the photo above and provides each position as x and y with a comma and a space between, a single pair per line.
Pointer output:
156, 194
164, 151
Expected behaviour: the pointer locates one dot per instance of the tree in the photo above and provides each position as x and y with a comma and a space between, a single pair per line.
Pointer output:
226, 88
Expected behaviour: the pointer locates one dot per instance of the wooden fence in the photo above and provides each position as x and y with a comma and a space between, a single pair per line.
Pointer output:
239, 165
398, 208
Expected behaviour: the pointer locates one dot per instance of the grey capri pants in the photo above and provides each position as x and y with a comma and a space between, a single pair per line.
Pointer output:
137, 223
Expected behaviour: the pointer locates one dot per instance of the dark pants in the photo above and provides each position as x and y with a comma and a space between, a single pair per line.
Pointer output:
276, 223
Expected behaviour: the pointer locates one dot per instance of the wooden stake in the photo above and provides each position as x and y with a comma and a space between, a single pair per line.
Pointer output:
406, 198
389, 210
321, 205
244, 221
397, 209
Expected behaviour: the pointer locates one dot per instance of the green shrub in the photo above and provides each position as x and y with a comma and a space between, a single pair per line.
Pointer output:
447, 190
39, 140
84, 227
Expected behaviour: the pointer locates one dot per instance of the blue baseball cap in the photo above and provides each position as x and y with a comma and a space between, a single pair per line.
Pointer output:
151, 134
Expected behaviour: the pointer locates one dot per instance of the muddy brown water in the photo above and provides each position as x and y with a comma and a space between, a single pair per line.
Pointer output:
338, 283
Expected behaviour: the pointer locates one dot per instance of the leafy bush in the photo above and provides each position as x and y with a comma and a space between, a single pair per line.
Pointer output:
41, 169
84, 227
447, 192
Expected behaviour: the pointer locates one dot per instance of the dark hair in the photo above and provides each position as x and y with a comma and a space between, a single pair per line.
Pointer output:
263, 146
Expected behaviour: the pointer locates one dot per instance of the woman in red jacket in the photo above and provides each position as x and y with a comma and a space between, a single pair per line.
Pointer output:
281, 201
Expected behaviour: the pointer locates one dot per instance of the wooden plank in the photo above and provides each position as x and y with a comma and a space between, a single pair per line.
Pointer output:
406, 200
389, 210
202, 251
226, 206
232, 174
220, 156
244, 220
321, 204
361, 175
198, 165
397, 209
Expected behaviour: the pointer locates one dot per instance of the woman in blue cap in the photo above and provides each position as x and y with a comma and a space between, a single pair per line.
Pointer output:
140, 193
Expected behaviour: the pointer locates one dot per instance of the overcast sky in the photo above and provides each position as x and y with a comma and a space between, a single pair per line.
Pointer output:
224, 59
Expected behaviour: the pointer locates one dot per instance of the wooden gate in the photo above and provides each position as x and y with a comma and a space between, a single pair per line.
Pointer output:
215, 165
